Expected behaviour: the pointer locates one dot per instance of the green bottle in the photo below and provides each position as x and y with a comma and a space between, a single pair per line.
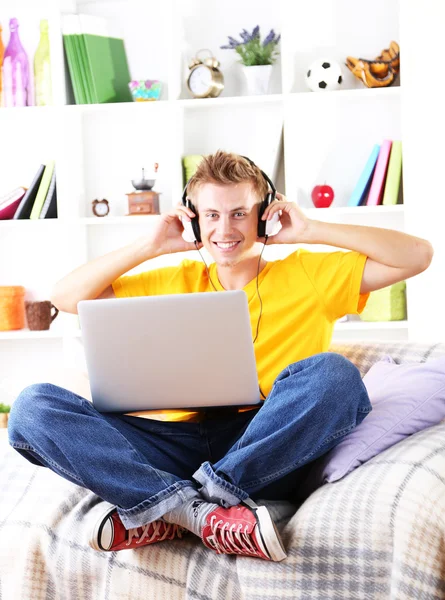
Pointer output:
42, 68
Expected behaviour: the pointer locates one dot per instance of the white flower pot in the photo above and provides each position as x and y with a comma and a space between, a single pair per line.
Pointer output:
257, 78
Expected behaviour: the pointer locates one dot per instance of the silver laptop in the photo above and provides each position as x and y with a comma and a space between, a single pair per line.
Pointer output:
171, 351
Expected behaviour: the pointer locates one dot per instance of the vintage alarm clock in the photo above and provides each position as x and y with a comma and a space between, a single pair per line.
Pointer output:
205, 79
101, 208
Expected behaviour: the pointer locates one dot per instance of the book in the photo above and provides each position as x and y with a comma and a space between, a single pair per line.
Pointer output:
378, 179
49, 208
106, 61
24, 208
10, 202
69, 30
42, 191
358, 196
394, 175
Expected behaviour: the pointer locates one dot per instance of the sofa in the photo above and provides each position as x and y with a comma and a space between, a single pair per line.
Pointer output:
377, 533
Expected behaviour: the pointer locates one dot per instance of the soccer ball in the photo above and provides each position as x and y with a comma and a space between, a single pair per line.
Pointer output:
324, 74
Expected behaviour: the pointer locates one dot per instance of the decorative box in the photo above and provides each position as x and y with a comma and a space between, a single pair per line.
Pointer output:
143, 202
387, 304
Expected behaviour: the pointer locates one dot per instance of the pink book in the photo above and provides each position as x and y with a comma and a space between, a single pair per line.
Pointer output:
10, 202
378, 180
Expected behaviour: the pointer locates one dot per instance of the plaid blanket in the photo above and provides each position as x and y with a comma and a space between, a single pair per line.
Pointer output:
378, 533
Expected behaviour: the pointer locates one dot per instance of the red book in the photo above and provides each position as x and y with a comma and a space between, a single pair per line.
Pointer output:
10, 202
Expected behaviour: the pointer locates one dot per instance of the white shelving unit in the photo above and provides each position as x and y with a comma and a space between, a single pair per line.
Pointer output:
99, 148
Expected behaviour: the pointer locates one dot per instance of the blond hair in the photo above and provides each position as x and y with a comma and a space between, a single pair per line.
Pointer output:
227, 168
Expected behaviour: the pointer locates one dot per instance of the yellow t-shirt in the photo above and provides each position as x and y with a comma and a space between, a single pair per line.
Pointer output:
302, 296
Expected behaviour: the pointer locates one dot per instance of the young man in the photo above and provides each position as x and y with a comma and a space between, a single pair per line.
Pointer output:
159, 479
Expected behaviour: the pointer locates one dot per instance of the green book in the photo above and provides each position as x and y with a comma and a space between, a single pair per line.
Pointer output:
394, 174
68, 44
83, 69
43, 190
71, 32
106, 61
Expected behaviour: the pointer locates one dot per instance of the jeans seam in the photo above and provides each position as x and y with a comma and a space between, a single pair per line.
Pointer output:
294, 466
48, 460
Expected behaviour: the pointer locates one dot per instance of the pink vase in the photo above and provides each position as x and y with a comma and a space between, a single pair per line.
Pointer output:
16, 74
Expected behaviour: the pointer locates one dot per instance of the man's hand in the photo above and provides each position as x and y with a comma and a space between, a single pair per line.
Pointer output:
293, 221
167, 235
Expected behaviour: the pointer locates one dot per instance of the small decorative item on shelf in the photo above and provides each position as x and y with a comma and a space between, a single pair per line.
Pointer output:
324, 75
17, 86
205, 79
4, 415
379, 72
39, 314
257, 58
100, 208
387, 304
42, 68
322, 196
144, 201
145, 90
12, 307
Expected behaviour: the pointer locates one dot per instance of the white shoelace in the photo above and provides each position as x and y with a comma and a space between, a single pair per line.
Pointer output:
233, 539
171, 530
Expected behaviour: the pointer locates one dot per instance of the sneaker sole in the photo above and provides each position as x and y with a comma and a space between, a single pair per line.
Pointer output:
100, 518
269, 535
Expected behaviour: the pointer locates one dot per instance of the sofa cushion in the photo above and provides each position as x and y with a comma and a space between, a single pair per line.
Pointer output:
405, 399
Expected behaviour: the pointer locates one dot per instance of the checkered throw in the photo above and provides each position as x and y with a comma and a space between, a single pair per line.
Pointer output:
378, 533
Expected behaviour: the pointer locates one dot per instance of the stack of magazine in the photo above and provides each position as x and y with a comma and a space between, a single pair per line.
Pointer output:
97, 62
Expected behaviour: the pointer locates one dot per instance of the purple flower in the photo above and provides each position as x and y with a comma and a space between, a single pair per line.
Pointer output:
233, 43
256, 32
245, 36
269, 38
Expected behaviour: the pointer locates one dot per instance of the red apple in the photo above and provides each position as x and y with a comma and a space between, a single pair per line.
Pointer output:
322, 196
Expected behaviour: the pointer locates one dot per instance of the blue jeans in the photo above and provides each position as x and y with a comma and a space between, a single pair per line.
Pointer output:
147, 467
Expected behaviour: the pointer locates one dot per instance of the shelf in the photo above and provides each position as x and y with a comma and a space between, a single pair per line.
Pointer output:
228, 101
354, 210
27, 334
204, 102
349, 93
26, 222
125, 220
370, 325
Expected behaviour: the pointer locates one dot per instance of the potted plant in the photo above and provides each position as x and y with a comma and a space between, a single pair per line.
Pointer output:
256, 57
4, 413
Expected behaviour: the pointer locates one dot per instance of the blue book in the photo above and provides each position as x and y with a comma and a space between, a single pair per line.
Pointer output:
361, 189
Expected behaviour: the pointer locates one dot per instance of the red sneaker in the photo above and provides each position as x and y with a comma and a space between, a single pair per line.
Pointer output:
245, 531
109, 533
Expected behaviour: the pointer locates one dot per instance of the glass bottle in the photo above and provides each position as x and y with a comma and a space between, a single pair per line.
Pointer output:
15, 70
42, 68
2, 52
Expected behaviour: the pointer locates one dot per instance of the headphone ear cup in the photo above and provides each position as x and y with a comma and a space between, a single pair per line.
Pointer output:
196, 229
262, 224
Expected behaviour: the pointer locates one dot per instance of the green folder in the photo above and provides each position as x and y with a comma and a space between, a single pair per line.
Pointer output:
83, 68
107, 62
43, 190
393, 176
70, 51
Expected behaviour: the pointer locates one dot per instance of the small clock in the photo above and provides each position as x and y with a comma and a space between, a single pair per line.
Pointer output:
101, 208
205, 79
